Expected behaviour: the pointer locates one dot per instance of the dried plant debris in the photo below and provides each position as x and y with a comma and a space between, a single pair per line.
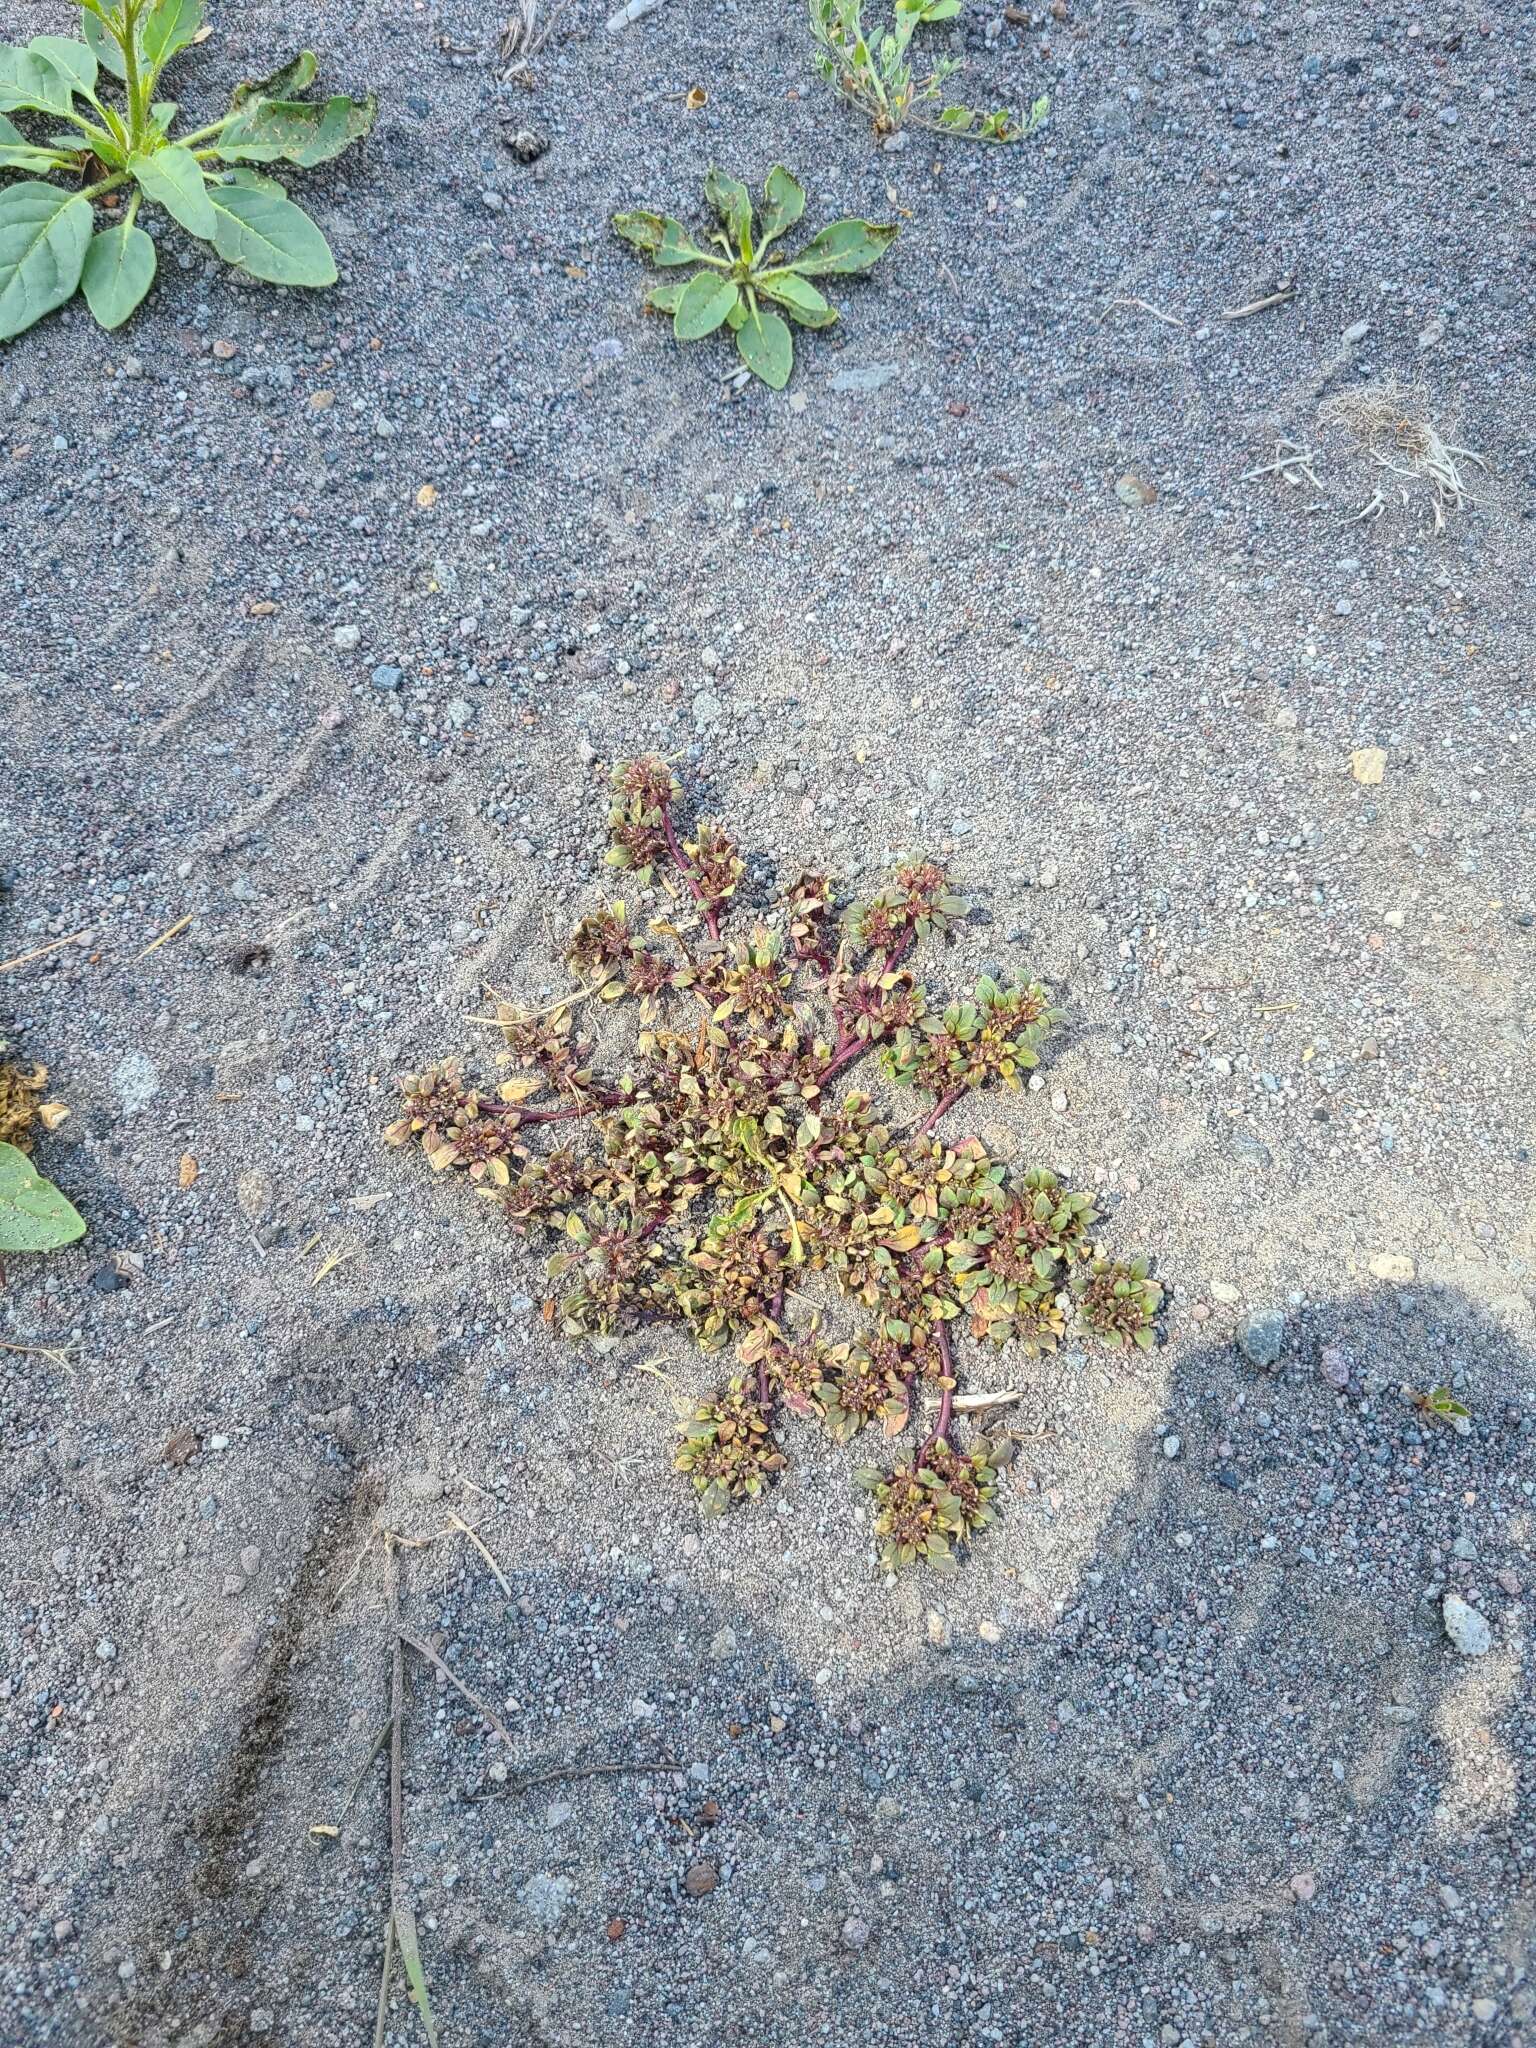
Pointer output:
730, 1167
1390, 422
22, 1090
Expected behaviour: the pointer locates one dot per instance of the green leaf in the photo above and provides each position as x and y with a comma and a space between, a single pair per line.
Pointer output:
706, 300
764, 344
28, 156
733, 202
663, 298
643, 231
678, 246
305, 132
34, 1216
296, 76
174, 179
168, 27
783, 204
119, 270
798, 296
410, 1956
76, 61
29, 80
102, 47
270, 237
844, 248
44, 234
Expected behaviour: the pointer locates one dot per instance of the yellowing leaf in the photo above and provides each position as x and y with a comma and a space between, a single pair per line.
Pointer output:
186, 1173
426, 497
1368, 765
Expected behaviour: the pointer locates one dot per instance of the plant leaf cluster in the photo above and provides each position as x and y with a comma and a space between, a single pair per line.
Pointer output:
729, 1175
739, 278
119, 147
877, 75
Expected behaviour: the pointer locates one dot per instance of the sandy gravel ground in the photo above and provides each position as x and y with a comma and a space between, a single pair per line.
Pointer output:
1185, 1754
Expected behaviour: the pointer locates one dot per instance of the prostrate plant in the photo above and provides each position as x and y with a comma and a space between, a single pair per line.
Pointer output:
725, 1177
878, 76
120, 141
742, 277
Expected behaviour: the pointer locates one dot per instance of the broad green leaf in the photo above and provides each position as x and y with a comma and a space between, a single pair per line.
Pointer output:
163, 113
174, 179
732, 201
844, 248
764, 343
798, 296
27, 156
29, 80
663, 298
641, 230
10, 133
44, 234
103, 48
677, 246
168, 27
783, 204
296, 76
119, 270
737, 314
34, 1216
305, 132
706, 300
77, 61
256, 181
270, 237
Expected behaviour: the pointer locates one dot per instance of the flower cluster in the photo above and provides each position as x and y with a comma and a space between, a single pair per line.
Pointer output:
728, 1173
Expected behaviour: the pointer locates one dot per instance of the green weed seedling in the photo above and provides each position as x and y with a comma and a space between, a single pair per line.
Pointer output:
117, 147
739, 277
876, 73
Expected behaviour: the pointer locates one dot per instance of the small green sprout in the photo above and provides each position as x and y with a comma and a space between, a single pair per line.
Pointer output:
743, 278
876, 75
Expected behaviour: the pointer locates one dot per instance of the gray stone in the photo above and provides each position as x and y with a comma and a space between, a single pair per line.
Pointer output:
706, 708
387, 677
868, 377
1261, 1336
137, 1081
1467, 1628
346, 638
546, 1897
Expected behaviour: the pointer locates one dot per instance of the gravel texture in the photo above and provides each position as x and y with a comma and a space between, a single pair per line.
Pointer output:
325, 616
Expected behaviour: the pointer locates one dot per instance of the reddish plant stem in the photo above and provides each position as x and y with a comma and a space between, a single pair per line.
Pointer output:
685, 869
844, 1055
898, 953
945, 1103
764, 1397
946, 1394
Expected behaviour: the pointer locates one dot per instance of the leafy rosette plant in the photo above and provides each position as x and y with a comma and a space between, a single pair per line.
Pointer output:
735, 1177
118, 148
740, 280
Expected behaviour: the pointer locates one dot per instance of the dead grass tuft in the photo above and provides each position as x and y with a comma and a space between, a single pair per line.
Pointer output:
1391, 423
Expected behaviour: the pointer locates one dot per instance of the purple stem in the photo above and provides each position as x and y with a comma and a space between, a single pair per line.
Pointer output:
946, 1394
763, 1398
844, 1056
945, 1103
686, 871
